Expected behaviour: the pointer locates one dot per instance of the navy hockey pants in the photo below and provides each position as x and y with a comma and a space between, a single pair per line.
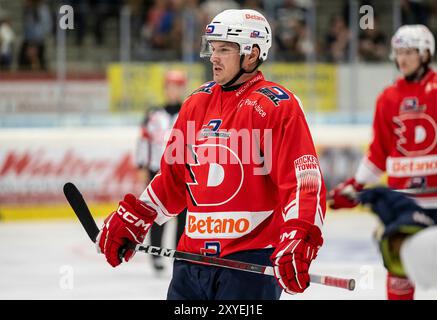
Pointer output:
200, 282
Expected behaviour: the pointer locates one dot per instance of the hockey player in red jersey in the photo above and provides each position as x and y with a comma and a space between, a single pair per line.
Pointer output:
404, 141
242, 160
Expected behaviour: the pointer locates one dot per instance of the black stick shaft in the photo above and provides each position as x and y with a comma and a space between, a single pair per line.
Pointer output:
80, 208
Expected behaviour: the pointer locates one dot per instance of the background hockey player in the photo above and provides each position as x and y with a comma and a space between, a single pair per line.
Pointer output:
404, 141
156, 126
242, 160
408, 240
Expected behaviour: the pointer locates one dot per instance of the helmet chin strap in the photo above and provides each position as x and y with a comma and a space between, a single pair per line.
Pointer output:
241, 72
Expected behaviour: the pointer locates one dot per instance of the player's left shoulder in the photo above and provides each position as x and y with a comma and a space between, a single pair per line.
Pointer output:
430, 82
276, 98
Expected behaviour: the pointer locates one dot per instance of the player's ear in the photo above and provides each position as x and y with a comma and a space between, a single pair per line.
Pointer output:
254, 55
252, 58
426, 58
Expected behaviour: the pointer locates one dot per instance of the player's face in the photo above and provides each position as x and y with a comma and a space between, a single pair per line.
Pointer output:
225, 61
175, 92
408, 59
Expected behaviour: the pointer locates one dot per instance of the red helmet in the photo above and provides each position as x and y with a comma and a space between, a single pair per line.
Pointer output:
176, 77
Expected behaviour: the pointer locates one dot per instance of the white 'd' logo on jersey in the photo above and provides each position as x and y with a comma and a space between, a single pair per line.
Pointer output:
417, 133
217, 174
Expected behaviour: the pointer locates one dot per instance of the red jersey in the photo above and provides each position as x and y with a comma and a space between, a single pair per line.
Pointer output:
242, 161
405, 138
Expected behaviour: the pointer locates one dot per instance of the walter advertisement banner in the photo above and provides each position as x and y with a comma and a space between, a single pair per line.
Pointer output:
36, 163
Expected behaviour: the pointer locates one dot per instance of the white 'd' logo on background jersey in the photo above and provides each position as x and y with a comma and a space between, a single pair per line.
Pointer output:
417, 133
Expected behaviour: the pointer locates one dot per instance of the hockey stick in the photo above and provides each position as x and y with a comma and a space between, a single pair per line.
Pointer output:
81, 210
410, 191
418, 191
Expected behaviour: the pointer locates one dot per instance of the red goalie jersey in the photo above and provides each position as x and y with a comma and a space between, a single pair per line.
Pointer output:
405, 138
242, 161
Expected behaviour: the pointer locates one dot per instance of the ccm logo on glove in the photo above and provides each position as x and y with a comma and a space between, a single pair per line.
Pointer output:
129, 223
130, 218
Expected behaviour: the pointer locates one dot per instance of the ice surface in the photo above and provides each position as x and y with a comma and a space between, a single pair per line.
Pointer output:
56, 260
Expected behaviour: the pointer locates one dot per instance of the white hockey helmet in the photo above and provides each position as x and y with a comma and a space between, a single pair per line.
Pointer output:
415, 36
245, 27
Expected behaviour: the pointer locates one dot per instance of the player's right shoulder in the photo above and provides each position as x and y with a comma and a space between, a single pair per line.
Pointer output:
389, 94
204, 92
201, 95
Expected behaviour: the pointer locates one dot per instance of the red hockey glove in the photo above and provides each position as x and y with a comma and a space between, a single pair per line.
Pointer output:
129, 223
345, 194
298, 246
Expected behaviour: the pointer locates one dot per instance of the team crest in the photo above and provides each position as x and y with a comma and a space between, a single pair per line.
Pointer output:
211, 249
212, 129
411, 105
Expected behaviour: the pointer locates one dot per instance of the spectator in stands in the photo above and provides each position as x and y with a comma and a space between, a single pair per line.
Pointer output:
193, 29
137, 10
286, 25
257, 5
337, 40
7, 38
37, 22
81, 11
101, 11
161, 30
372, 45
210, 8
158, 26
295, 44
414, 12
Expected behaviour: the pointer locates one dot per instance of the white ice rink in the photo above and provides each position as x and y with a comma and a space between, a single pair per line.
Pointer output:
56, 260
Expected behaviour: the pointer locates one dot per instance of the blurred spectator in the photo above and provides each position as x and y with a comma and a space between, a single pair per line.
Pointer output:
210, 8
372, 45
162, 28
37, 22
158, 26
337, 40
192, 30
81, 11
7, 38
137, 10
291, 32
257, 5
92, 15
101, 10
414, 12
